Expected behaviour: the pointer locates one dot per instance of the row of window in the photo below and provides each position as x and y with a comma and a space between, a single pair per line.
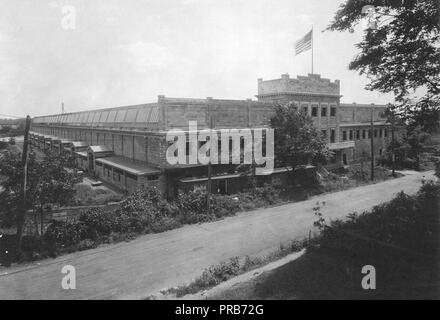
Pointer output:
315, 110
332, 135
363, 134
219, 146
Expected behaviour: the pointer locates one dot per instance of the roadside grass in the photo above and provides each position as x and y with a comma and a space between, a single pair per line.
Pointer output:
216, 274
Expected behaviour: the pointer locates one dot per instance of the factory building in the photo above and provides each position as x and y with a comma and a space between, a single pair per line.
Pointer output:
127, 146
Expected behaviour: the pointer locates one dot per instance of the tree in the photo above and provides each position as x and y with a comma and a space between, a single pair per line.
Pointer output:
415, 140
49, 182
406, 147
437, 169
297, 140
401, 53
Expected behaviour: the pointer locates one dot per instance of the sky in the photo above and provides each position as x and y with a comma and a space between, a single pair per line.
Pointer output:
124, 52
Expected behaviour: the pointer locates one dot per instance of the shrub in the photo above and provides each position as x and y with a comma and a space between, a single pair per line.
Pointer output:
164, 224
65, 233
97, 222
192, 202
268, 193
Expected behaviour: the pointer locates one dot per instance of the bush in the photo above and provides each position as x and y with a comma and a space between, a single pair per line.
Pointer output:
65, 233
192, 202
164, 224
97, 223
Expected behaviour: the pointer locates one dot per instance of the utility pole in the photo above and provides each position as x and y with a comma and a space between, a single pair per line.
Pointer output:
393, 155
372, 142
21, 212
208, 189
391, 118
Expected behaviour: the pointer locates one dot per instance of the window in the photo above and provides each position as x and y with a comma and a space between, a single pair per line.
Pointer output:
324, 134
344, 135
358, 134
369, 133
375, 133
332, 135
112, 116
120, 116
364, 134
314, 111
187, 148
117, 175
323, 111
351, 135
131, 115
333, 112
153, 178
380, 133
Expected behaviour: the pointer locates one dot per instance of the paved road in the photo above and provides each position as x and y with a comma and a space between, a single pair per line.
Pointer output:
153, 262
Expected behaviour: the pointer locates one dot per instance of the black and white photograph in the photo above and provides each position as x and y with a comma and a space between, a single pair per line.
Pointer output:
221, 155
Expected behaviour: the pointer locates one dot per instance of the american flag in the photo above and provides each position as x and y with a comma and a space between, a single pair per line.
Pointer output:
304, 44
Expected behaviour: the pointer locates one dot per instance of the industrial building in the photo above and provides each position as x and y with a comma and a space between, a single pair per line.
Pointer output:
126, 146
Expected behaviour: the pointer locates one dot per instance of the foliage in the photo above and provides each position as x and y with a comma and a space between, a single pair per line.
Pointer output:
402, 53
297, 140
437, 169
97, 222
406, 226
48, 183
65, 233
408, 147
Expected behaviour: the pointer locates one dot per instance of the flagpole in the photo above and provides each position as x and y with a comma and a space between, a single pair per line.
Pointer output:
312, 48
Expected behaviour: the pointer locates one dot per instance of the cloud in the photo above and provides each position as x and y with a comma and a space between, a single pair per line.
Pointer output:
4, 37
304, 18
190, 2
148, 55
